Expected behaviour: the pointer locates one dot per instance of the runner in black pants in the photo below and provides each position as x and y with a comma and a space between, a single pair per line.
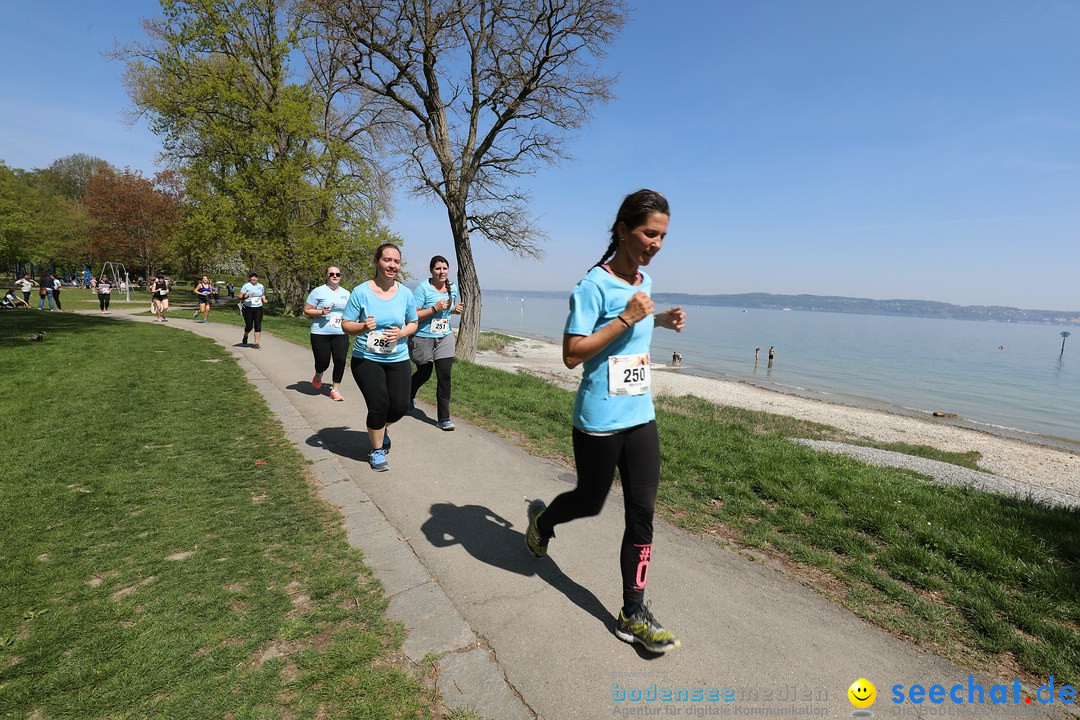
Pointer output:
609, 331
382, 314
325, 306
433, 344
253, 295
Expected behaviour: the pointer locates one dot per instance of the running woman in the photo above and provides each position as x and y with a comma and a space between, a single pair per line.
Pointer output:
253, 295
159, 291
205, 290
609, 330
433, 343
382, 314
104, 294
325, 306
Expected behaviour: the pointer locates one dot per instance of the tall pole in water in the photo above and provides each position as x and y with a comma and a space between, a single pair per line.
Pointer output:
1064, 334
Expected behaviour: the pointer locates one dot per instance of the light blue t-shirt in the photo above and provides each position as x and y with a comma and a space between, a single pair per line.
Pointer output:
426, 296
258, 299
600, 406
395, 312
322, 297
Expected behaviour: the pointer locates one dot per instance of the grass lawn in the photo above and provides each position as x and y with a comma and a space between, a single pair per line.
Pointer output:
162, 554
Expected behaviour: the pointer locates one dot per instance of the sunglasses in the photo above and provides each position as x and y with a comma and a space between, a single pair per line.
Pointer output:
333, 274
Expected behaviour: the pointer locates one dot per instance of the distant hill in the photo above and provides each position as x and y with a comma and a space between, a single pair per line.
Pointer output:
858, 306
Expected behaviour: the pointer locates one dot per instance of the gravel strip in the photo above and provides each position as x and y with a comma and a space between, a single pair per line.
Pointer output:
944, 473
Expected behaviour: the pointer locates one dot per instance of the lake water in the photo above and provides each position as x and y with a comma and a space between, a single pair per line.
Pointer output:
1002, 377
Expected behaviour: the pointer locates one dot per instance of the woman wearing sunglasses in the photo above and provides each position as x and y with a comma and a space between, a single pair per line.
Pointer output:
325, 305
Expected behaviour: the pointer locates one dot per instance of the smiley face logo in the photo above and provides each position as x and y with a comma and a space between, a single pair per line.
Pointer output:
862, 693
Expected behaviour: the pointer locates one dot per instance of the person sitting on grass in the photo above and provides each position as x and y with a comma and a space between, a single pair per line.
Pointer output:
11, 300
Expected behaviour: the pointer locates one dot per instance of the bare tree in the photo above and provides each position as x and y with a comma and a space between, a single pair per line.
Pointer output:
468, 96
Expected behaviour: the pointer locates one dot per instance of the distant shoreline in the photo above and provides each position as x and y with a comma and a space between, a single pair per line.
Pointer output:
1022, 457
929, 309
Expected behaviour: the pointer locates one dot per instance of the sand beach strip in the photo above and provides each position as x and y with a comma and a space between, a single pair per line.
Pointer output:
1037, 466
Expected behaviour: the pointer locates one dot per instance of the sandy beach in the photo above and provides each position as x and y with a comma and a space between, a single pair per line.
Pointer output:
1026, 463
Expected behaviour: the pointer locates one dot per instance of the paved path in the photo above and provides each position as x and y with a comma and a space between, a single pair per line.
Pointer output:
518, 637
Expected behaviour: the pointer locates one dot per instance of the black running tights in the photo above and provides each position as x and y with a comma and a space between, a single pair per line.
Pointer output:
385, 387
326, 347
636, 453
442, 387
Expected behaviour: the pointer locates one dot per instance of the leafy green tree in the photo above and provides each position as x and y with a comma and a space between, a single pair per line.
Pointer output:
469, 96
267, 178
39, 224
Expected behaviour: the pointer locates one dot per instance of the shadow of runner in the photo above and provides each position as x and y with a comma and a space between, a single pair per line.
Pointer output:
353, 444
491, 539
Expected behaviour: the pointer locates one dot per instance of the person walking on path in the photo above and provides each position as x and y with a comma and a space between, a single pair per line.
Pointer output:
25, 284
382, 314
325, 306
433, 344
104, 294
159, 292
57, 284
609, 330
205, 290
253, 299
45, 291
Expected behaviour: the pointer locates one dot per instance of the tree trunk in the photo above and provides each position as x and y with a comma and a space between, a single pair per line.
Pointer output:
468, 283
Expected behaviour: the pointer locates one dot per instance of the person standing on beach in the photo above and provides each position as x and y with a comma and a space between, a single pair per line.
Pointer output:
433, 344
382, 314
325, 306
253, 297
609, 330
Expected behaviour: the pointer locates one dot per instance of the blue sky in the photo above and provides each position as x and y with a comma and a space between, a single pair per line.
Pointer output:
835, 147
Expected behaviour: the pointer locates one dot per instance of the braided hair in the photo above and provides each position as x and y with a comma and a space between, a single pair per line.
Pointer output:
634, 209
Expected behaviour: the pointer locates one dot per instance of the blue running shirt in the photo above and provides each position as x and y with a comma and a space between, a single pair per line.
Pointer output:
397, 311
426, 296
323, 296
611, 401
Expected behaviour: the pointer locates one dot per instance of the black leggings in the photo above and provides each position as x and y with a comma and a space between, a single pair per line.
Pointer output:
636, 453
327, 346
103, 301
252, 318
56, 297
442, 387
385, 387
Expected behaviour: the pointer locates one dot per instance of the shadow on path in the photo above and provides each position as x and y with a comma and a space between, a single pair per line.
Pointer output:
491, 539
352, 444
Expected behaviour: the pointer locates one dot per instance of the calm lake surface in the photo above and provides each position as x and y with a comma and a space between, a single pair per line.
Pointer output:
1002, 377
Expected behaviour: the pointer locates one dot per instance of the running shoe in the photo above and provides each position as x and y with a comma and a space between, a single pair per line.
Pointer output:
335, 395
378, 461
194, 314
316, 380
386, 440
446, 424
644, 629
257, 346
537, 543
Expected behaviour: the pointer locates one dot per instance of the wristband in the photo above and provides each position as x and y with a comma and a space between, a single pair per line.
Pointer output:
624, 320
